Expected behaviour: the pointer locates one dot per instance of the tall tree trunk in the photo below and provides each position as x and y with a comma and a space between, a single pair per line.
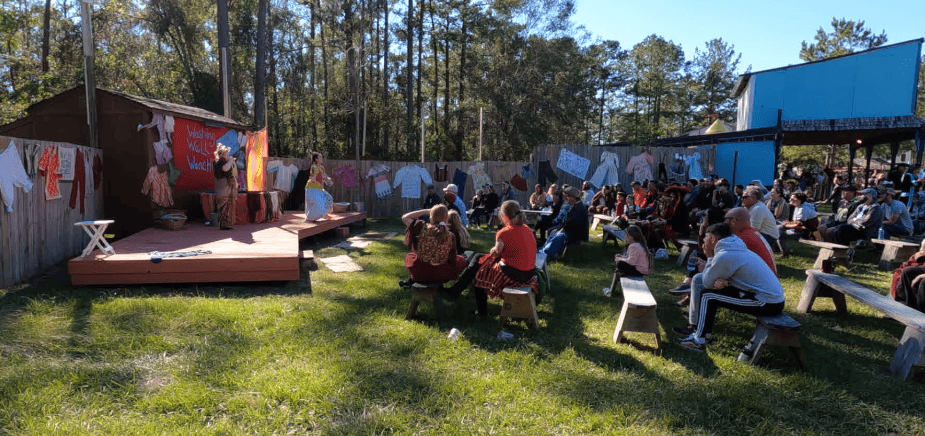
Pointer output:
260, 115
275, 147
462, 91
409, 85
386, 80
46, 35
420, 96
446, 75
352, 83
436, 83
324, 103
311, 71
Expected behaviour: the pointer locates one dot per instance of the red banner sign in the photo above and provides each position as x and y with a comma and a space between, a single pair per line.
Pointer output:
193, 154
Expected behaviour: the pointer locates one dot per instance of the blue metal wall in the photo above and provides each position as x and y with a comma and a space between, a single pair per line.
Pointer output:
756, 161
878, 83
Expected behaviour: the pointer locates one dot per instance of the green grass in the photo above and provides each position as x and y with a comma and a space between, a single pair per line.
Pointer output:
269, 359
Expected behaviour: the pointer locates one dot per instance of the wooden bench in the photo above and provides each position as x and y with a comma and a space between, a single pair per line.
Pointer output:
638, 313
425, 292
828, 250
306, 265
519, 303
893, 251
614, 233
689, 246
912, 344
599, 218
774, 330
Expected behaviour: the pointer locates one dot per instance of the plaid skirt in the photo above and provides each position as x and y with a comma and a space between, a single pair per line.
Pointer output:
493, 280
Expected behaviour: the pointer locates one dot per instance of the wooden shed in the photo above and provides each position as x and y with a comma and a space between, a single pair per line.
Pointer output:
128, 149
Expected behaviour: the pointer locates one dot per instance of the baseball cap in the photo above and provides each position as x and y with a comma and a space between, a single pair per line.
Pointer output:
870, 191
451, 188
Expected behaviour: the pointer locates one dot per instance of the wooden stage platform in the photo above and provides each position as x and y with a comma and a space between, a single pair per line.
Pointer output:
246, 253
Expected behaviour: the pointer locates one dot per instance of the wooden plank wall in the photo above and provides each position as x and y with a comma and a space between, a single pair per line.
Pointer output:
593, 153
38, 233
395, 205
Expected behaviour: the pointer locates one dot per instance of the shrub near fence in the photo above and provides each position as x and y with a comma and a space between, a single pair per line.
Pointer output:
40, 233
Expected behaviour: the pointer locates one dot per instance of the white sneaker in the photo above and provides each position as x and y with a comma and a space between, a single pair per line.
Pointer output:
607, 292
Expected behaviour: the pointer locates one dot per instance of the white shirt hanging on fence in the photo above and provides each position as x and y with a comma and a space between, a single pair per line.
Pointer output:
410, 178
285, 175
12, 175
573, 164
606, 173
479, 176
379, 173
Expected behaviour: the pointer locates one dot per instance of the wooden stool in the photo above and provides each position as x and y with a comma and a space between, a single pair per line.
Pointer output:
95, 230
894, 250
519, 303
612, 232
686, 250
774, 330
426, 292
638, 313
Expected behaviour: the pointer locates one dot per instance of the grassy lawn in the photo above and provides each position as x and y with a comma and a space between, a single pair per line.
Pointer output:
270, 359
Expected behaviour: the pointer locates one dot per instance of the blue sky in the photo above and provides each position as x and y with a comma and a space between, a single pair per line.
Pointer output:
767, 34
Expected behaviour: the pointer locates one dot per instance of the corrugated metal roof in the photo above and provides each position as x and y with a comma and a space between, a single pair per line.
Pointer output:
165, 106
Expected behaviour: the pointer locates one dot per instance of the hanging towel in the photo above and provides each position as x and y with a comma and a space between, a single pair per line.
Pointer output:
545, 174
527, 171
12, 175
459, 179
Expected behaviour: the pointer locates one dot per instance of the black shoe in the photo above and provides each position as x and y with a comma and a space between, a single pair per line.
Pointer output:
405, 283
684, 302
684, 331
683, 288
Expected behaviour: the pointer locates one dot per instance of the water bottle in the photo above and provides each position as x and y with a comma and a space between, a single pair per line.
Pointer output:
881, 234
692, 261
454, 333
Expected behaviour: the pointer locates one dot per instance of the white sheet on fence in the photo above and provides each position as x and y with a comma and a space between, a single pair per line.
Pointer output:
607, 172
573, 164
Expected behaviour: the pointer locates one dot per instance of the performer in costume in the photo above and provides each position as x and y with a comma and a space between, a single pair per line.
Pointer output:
226, 186
316, 203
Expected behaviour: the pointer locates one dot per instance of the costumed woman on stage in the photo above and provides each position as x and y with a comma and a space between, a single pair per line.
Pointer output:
226, 186
318, 202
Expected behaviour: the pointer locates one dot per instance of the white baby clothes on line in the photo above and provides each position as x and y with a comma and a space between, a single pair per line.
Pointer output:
410, 178
285, 175
12, 175
479, 176
606, 173
379, 173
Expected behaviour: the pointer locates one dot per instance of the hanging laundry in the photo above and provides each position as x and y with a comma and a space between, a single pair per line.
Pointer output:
573, 164
173, 173
66, 156
410, 177
527, 171
479, 176
156, 183
640, 167
285, 174
97, 171
459, 179
693, 166
49, 166
607, 172
546, 174
12, 175
88, 172
440, 174
379, 173
31, 152
519, 182
349, 176
80, 182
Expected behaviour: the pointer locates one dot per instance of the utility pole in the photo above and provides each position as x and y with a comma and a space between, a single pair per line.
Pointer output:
224, 59
89, 78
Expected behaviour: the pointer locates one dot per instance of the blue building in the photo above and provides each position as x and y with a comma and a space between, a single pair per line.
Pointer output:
860, 100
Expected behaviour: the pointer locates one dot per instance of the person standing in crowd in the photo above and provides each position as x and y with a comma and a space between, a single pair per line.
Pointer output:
226, 186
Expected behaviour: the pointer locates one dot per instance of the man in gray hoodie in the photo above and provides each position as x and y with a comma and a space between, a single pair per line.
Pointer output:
735, 278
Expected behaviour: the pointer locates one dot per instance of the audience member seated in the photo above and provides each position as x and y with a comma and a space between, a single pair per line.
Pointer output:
599, 201
738, 220
848, 202
432, 199
507, 193
511, 262
634, 262
917, 212
908, 286
538, 198
734, 278
896, 218
805, 221
864, 223
555, 201
454, 222
759, 216
574, 226
452, 201
671, 220
586, 194
714, 215
477, 207
723, 198
777, 204
433, 255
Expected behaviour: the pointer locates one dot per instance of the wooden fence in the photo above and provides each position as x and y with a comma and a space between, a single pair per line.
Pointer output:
40, 233
395, 205
593, 153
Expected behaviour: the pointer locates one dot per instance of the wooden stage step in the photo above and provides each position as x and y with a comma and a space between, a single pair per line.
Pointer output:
246, 253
